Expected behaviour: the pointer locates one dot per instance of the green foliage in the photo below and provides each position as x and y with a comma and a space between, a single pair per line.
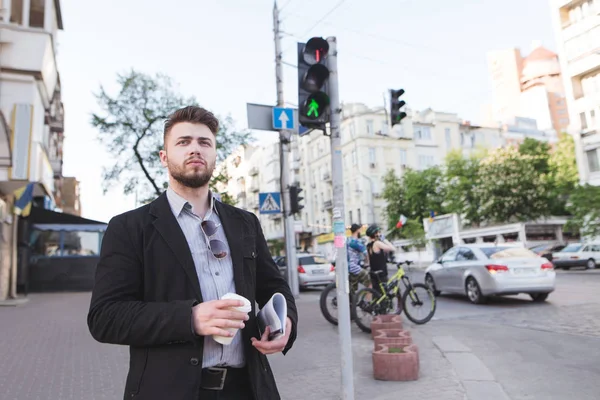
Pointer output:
130, 126
413, 196
564, 176
461, 195
510, 188
539, 153
585, 207
520, 183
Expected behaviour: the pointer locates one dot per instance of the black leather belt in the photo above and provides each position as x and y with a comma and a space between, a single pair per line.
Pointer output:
215, 378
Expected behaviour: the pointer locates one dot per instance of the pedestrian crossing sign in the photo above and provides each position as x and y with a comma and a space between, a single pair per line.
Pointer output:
269, 203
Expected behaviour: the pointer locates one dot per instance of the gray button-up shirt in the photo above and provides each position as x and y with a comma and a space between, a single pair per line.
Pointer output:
215, 276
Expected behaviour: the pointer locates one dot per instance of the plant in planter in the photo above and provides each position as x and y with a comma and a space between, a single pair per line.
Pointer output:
396, 363
392, 337
387, 321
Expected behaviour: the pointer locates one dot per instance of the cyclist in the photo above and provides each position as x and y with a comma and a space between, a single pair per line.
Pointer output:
356, 252
378, 250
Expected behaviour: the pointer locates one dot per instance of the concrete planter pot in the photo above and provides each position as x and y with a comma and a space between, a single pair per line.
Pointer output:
388, 321
393, 338
396, 363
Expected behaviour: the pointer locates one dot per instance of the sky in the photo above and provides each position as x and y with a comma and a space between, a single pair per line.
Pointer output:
222, 53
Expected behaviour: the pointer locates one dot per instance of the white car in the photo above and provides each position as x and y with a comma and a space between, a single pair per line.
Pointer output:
314, 270
482, 270
577, 255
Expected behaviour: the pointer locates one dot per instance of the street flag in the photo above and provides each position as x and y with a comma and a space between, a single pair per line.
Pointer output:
23, 199
401, 222
432, 215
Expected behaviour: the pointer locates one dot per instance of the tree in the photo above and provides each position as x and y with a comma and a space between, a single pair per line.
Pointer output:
564, 175
460, 180
130, 126
414, 196
583, 204
539, 152
510, 188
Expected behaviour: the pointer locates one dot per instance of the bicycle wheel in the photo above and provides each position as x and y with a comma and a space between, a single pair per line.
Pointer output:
325, 302
411, 298
365, 308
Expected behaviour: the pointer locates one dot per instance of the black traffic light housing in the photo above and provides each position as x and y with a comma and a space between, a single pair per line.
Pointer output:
295, 199
313, 88
395, 105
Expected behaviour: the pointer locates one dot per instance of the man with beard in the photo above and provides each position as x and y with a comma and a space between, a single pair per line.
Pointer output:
162, 272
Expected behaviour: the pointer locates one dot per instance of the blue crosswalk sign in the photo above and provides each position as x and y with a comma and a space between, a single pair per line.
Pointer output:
283, 118
269, 203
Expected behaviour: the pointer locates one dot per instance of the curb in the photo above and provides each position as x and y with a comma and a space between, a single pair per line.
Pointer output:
478, 381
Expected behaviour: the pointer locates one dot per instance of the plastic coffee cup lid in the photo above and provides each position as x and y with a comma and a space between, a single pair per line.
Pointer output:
247, 307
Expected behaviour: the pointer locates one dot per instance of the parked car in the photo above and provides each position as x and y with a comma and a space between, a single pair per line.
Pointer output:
313, 270
546, 250
577, 255
483, 270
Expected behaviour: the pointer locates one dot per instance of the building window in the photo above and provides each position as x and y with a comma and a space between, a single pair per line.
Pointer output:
384, 128
354, 159
372, 155
370, 130
16, 12
426, 133
593, 118
425, 161
593, 162
350, 216
36, 13
403, 157
564, 121
359, 216
352, 131
448, 138
584, 124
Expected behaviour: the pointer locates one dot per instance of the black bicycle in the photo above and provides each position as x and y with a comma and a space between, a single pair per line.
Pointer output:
390, 299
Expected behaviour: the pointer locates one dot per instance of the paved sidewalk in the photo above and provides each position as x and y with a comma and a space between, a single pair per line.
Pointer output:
312, 368
47, 353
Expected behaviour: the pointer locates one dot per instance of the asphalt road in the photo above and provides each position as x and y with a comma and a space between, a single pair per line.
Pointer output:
546, 351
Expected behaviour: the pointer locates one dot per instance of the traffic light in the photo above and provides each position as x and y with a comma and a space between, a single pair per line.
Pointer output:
395, 105
313, 75
295, 199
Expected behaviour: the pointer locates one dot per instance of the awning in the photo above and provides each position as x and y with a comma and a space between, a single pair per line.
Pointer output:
70, 228
41, 216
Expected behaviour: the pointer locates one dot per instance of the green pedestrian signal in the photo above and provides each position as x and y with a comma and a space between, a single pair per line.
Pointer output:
313, 108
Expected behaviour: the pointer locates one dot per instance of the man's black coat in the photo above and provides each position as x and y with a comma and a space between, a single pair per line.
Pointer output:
146, 285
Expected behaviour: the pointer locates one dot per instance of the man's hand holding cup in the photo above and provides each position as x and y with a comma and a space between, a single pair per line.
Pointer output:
221, 318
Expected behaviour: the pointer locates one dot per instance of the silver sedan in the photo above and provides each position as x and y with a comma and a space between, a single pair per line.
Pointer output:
482, 270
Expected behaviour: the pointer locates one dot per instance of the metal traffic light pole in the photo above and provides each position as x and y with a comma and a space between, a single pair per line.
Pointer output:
339, 228
284, 155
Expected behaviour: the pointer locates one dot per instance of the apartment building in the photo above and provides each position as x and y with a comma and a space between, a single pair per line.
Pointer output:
577, 28
369, 150
529, 87
252, 170
31, 115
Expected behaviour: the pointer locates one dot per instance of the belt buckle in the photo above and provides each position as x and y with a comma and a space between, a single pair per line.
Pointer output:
223, 372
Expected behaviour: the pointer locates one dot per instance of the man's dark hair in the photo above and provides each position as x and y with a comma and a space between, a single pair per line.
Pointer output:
194, 115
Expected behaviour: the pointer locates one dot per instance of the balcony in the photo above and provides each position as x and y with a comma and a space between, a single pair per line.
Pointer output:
253, 171
326, 177
29, 50
275, 217
328, 205
254, 187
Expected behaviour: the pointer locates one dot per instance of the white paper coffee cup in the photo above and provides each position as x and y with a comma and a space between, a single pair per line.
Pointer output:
247, 307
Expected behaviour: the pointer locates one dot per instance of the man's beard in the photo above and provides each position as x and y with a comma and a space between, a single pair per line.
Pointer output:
192, 179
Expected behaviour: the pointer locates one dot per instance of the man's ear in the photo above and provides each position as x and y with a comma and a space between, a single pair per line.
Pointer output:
163, 157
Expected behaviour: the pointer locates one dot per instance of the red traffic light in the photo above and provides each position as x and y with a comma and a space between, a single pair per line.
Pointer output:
315, 50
